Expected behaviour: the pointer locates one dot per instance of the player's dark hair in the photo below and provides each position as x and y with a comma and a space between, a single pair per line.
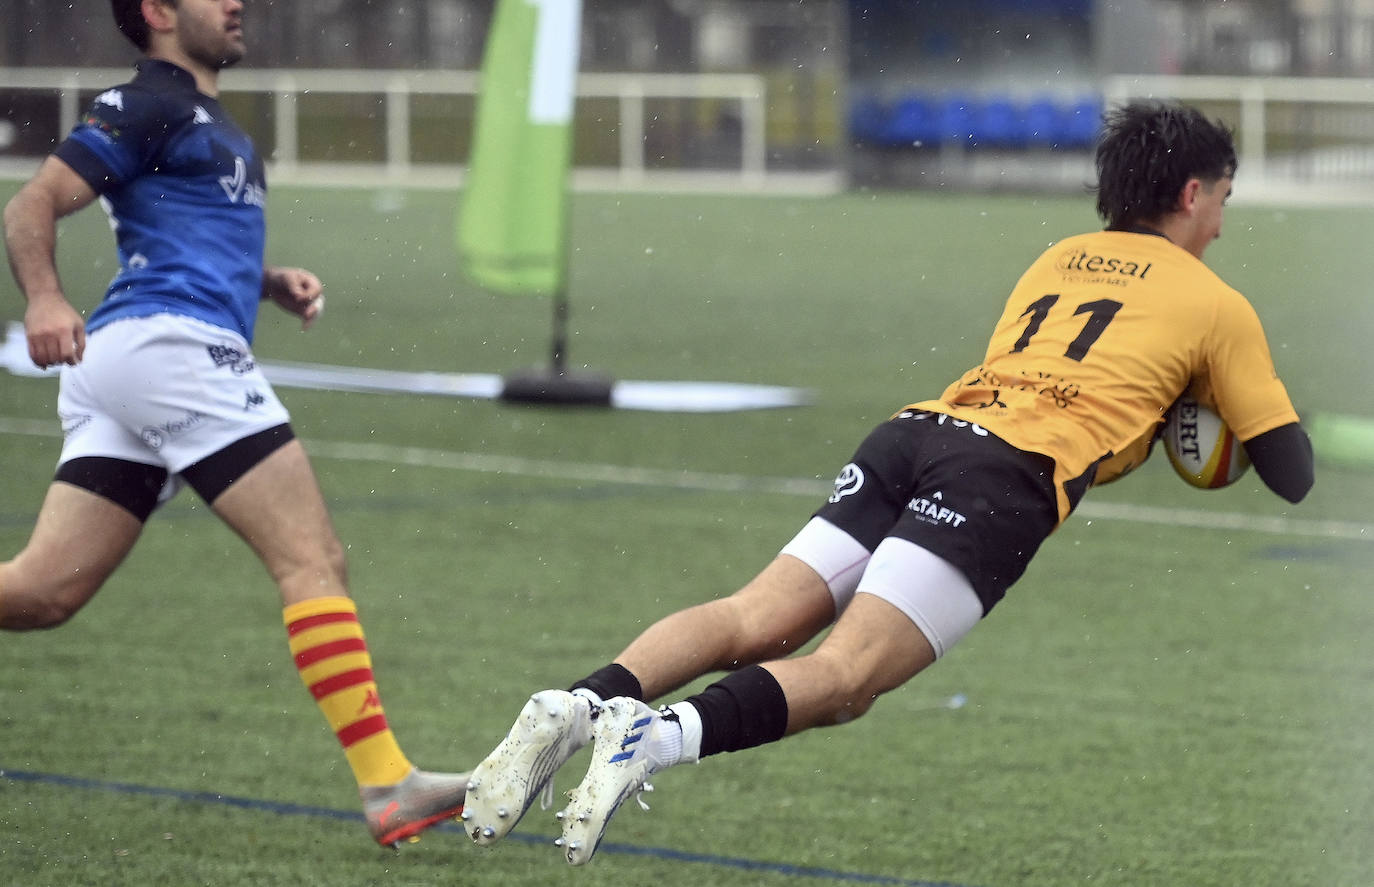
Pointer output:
128, 14
1148, 151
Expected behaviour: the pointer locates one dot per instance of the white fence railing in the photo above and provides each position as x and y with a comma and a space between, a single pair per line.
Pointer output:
632, 94
1300, 138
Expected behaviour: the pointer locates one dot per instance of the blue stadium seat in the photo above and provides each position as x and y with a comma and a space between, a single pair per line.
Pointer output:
1042, 122
967, 120
1082, 121
914, 121
998, 122
956, 112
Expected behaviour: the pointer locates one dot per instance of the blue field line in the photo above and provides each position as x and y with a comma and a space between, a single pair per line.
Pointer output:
285, 809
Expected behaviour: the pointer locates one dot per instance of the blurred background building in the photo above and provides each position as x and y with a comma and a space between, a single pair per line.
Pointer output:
902, 37
886, 92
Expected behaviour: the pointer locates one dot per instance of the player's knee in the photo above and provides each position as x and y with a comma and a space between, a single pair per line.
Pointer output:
24, 608
319, 567
336, 558
43, 614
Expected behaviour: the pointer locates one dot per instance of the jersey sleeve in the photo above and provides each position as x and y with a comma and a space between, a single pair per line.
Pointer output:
112, 142
1238, 376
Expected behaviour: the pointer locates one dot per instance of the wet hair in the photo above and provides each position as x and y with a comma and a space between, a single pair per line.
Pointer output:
1148, 151
128, 14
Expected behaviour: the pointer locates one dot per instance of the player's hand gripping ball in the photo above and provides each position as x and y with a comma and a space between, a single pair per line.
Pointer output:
1203, 451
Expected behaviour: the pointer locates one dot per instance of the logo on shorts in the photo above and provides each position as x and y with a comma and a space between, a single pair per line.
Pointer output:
933, 511
849, 482
239, 361
156, 436
254, 399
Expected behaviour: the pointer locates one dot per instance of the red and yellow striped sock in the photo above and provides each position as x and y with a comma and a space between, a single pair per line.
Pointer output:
331, 655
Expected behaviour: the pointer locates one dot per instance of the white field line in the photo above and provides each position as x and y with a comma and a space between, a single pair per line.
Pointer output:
592, 472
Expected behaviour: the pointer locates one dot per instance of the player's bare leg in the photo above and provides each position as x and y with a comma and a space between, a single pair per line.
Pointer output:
872, 649
277, 507
77, 542
777, 612
772, 616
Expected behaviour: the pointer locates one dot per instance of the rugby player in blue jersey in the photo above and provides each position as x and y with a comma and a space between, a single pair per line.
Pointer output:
159, 386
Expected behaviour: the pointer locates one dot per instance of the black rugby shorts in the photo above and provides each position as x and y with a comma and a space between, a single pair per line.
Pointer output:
953, 488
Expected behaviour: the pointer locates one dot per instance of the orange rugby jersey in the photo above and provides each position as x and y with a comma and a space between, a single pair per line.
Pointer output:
1100, 335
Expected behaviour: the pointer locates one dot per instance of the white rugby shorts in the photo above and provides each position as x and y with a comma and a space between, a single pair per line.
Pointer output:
164, 390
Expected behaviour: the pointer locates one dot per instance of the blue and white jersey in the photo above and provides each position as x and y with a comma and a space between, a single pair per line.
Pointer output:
185, 191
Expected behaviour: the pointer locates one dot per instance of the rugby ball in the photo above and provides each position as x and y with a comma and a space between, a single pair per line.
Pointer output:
1203, 451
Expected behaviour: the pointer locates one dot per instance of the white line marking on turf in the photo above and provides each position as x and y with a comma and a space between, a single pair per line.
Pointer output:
592, 472
574, 471
1226, 520
34, 427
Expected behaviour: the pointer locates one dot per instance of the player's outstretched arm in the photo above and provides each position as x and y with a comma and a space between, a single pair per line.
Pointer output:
1283, 458
296, 291
55, 330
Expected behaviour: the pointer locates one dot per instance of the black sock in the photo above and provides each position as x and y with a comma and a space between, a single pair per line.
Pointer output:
743, 709
611, 681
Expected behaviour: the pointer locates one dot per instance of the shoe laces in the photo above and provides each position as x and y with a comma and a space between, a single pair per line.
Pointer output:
546, 794
662, 748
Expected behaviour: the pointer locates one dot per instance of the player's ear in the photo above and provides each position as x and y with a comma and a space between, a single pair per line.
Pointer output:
1187, 195
160, 15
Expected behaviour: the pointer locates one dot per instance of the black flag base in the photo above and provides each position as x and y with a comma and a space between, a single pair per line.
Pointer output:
558, 387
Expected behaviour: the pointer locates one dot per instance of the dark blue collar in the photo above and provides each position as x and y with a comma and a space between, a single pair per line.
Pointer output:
157, 72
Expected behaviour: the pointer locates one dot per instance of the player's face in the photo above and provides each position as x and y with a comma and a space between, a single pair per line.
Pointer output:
211, 31
1208, 210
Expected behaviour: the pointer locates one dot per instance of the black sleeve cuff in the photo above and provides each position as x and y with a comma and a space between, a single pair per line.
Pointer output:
1283, 459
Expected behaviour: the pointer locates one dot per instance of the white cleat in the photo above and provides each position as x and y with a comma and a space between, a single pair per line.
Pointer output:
632, 743
551, 727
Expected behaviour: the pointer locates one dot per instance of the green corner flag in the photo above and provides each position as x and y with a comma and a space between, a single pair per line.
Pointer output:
512, 220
